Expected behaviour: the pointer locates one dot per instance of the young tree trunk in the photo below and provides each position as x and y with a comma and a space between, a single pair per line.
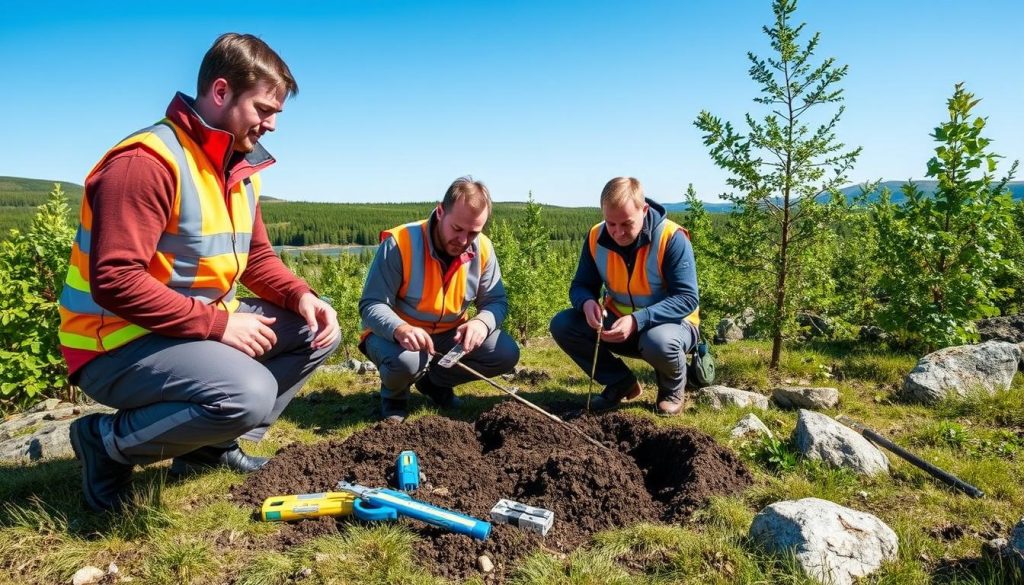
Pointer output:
780, 292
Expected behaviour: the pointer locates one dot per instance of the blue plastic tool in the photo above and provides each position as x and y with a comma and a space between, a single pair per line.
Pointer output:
404, 505
407, 471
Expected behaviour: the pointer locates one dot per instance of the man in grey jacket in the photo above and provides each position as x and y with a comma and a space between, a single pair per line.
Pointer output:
416, 299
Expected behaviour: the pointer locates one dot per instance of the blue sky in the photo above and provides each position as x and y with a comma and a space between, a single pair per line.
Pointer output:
398, 98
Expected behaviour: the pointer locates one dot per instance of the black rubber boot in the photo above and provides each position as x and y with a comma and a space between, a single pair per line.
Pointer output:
442, 396
614, 394
394, 409
206, 458
105, 482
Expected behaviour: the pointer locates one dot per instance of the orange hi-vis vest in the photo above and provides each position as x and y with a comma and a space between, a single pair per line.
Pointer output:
428, 298
625, 292
201, 252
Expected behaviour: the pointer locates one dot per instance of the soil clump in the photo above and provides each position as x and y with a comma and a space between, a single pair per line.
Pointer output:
648, 474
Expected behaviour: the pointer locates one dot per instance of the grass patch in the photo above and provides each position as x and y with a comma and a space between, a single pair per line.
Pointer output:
189, 531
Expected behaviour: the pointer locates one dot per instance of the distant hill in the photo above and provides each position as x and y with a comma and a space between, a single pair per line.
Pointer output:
20, 197
928, 187
854, 191
19, 192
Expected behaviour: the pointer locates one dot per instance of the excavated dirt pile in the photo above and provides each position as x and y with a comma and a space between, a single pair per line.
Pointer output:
650, 473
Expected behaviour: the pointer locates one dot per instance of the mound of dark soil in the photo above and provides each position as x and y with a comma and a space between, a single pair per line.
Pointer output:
649, 473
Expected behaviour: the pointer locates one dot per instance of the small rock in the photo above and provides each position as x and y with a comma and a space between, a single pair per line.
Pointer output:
367, 367
995, 548
862, 495
485, 564
352, 364
112, 569
303, 573
719, 397
48, 404
819, 437
87, 576
750, 425
806, 397
441, 491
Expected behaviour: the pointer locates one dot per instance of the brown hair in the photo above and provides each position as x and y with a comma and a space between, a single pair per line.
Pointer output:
244, 60
473, 193
620, 190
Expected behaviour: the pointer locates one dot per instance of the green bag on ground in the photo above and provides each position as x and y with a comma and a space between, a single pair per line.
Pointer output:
702, 366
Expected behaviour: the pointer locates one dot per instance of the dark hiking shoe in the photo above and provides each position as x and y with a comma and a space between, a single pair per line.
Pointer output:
105, 482
206, 458
671, 403
442, 396
613, 395
394, 409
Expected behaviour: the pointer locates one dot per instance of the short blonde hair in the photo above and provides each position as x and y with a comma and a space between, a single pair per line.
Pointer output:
471, 192
621, 190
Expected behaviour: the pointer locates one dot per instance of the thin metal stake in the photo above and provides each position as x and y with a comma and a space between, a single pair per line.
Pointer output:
547, 414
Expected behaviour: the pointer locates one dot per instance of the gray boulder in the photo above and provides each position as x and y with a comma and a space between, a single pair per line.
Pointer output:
819, 437
750, 426
959, 371
1009, 329
728, 331
872, 334
815, 325
806, 397
734, 327
719, 397
41, 434
366, 367
831, 543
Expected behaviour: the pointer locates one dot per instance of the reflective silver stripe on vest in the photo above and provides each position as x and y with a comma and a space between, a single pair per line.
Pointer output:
414, 291
659, 290
250, 194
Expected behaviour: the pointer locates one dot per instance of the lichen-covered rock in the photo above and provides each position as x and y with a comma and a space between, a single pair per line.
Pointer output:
719, 397
820, 437
962, 370
832, 544
806, 397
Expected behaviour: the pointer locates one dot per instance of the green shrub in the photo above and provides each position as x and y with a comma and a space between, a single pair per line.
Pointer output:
33, 265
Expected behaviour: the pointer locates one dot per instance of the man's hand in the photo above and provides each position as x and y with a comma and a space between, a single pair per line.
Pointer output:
594, 314
321, 319
471, 334
249, 333
414, 338
620, 330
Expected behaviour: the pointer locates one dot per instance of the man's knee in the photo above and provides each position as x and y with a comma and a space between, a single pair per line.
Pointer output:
564, 324
663, 346
399, 371
253, 398
506, 353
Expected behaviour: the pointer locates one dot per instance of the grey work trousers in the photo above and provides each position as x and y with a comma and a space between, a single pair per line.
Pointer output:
176, 395
664, 347
399, 368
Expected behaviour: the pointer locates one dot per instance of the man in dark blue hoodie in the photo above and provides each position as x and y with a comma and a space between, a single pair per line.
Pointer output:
649, 310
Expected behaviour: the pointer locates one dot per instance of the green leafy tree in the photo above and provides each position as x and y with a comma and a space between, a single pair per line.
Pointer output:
714, 276
32, 269
780, 166
536, 277
340, 281
944, 252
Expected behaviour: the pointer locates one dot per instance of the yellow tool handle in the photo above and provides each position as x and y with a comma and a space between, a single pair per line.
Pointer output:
296, 507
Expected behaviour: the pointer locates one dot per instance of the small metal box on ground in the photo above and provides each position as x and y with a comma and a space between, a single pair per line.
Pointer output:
536, 520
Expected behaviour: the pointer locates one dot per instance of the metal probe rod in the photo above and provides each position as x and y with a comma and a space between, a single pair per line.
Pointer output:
575, 429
